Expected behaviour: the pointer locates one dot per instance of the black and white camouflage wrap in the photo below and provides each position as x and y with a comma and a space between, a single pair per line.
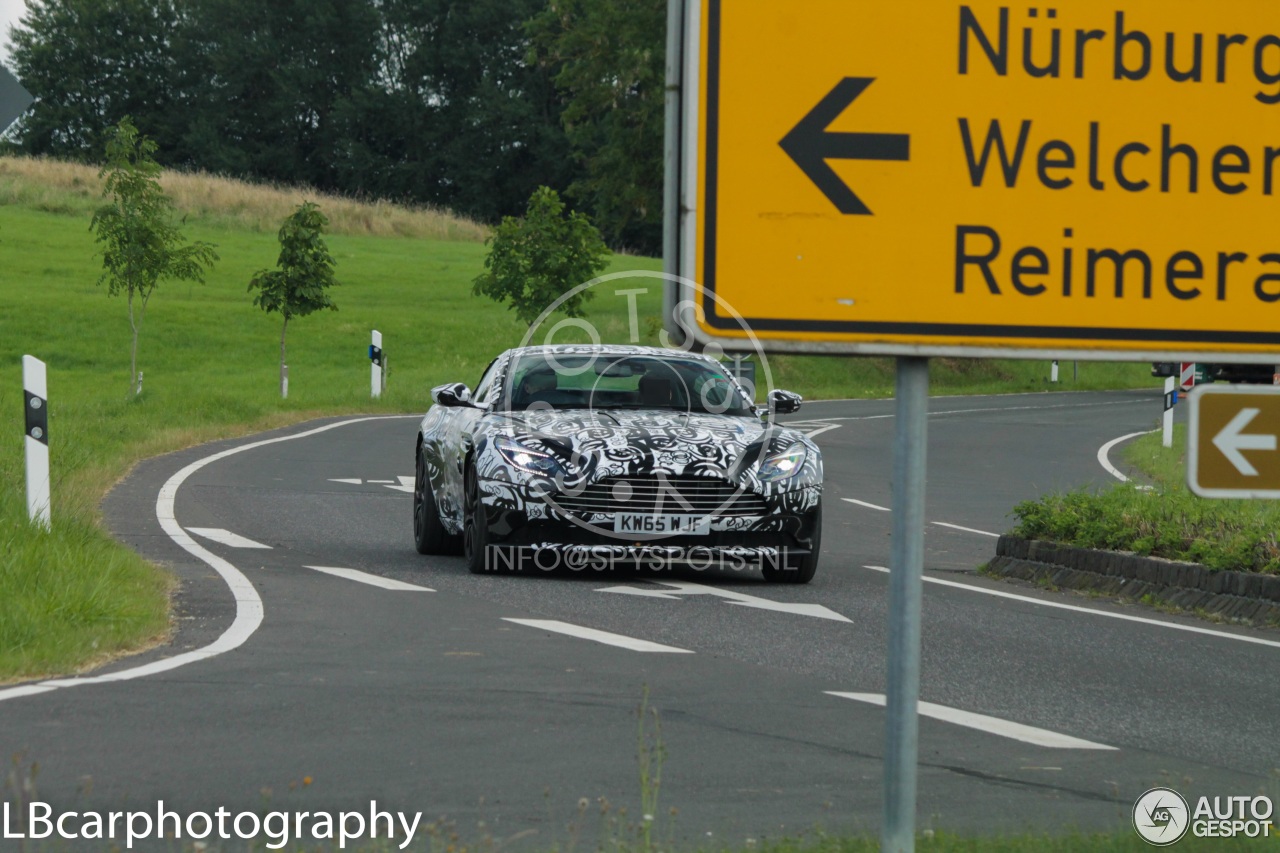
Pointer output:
592, 445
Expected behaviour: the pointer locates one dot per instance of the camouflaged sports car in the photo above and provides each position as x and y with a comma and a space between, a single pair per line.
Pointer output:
591, 457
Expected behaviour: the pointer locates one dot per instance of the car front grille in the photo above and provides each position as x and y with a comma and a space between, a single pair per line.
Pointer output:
663, 493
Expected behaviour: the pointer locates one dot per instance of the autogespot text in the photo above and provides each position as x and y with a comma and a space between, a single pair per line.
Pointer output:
278, 827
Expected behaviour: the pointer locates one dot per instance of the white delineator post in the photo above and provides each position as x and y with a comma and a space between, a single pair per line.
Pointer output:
35, 395
1053, 373
1170, 392
375, 368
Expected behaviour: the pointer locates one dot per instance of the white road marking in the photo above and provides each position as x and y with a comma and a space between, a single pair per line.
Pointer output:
1105, 449
966, 529
983, 723
592, 634
380, 482
348, 482
741, 599
867, 505
939, 523
817, 432
996, 409
372, 580
406, 485
1126, 617
226, 537
249, 610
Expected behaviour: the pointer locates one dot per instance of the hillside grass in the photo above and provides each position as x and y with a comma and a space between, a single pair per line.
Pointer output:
210, 363
1166, 520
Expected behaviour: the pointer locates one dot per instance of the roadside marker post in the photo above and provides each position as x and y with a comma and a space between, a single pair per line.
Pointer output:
1053, 371
1170, 400
35, 394
375, 369
1187, 375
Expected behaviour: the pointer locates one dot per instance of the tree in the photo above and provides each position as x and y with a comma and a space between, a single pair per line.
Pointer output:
609, 60
90, 63
301, 284
536, 259
140, 245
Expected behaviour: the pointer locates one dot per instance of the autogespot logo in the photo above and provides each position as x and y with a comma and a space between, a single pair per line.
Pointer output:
1161, 817
668, 513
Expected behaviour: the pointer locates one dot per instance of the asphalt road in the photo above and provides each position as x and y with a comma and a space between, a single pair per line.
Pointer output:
436, 701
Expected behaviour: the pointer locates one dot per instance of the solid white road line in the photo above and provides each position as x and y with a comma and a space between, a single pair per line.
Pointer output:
966, 529
371, 580
996, 409
592, 634
226, 537
983, 723
1105, 449
867, 505
249, 610
1192, 629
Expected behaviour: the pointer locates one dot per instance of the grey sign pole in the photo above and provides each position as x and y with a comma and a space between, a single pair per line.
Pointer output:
906, 565
671, 166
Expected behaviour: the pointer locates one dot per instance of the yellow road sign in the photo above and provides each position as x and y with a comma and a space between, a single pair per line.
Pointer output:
1234, 442
983, 177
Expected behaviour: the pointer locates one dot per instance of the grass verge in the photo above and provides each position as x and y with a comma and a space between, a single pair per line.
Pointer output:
210, 363
1166, 520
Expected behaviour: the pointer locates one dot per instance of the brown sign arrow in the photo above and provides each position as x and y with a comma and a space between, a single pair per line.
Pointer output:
1234, 442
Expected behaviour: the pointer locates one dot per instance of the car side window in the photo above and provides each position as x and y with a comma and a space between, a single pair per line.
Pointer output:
485, 385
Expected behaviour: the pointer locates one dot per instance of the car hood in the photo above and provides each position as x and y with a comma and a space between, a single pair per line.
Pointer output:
605, 443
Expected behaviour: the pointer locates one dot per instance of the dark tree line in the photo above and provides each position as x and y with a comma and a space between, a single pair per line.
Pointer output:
466, 104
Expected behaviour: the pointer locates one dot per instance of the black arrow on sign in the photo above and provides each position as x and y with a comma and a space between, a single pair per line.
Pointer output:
811, 145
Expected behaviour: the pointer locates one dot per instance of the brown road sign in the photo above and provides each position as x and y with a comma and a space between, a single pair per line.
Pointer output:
1234, 442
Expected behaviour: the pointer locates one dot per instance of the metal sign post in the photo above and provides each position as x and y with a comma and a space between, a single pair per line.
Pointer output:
906, 573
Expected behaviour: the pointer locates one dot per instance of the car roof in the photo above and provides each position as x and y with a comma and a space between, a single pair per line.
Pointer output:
606, 349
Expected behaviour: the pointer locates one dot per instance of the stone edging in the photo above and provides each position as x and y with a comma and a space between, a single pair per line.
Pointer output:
1239, 596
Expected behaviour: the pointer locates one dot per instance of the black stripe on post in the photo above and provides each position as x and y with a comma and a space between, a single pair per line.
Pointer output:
37, 411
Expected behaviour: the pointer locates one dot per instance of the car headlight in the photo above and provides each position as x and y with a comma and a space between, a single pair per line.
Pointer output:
783, 465
527, 459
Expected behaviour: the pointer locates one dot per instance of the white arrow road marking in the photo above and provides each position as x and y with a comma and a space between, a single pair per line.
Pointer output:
983, 723
405, 484
1231, 441
739, 598
226, 537
1244, 638
372, 580
622, 642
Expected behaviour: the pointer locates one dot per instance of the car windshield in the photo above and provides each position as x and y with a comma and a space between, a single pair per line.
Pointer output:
622, 381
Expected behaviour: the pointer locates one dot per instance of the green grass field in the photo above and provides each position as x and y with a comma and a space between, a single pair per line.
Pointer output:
210, 362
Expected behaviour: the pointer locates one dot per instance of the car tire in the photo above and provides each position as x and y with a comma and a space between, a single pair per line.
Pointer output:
475, 525
429, 535
803, 571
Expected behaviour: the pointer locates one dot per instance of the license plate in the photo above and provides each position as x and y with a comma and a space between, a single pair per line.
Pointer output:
633, 522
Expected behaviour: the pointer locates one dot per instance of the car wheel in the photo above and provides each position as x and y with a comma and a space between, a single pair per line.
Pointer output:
804, 570
475, 526
429, 535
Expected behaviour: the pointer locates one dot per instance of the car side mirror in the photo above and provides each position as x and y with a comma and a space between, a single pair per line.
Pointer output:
784, 402
455, 395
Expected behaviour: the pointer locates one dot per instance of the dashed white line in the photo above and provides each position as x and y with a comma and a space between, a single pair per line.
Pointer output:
1192, 629
619, 640
226, 537
966, 529
867, 505
983, 723
371, 580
